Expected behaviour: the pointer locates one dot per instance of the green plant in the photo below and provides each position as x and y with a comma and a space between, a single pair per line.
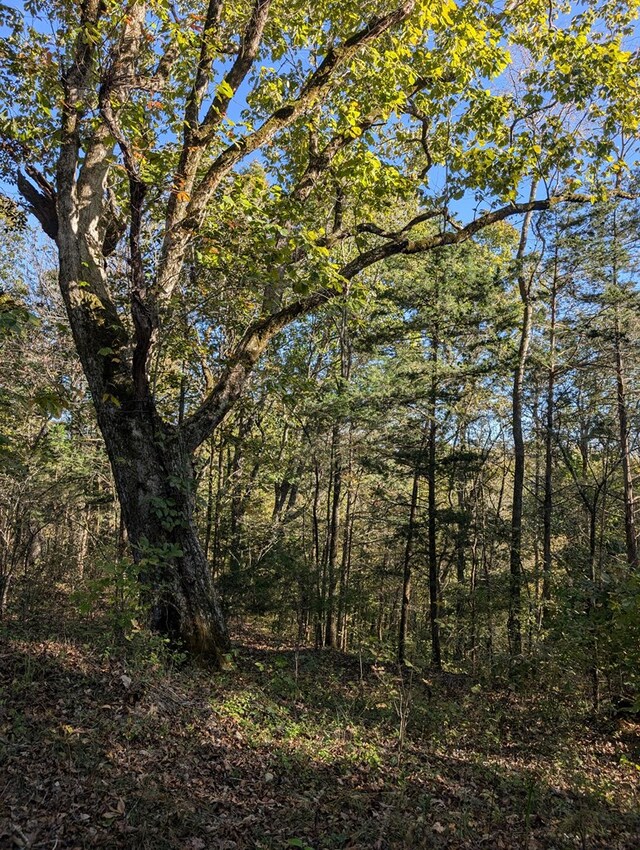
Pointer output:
116, 586
300, 843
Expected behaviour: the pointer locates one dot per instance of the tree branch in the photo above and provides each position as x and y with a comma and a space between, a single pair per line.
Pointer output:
246, 57
203, 70
317, 86
116, 82
200, 424
460, 234
197, 427
197, 136
319, 161
41, 201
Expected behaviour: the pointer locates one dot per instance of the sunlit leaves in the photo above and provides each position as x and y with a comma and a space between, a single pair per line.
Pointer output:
460, 97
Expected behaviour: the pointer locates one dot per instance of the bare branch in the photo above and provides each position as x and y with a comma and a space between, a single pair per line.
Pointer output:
41, 201
396, 234
412, 110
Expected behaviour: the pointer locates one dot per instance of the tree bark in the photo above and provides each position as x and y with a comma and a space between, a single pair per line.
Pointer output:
347, 541
333, 531
156, 489
461, 558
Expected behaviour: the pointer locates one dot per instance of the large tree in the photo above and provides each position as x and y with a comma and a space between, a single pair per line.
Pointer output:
128, 128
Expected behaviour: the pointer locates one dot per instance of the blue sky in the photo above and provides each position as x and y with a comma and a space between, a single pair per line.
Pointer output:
465, 208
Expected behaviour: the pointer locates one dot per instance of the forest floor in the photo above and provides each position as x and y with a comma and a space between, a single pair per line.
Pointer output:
295, 748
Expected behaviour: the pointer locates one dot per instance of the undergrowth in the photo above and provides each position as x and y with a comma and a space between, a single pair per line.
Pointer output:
120, 744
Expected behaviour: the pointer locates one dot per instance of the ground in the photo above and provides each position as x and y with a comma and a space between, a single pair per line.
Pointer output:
289, 747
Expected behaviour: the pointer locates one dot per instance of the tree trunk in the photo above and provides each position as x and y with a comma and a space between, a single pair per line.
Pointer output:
547, 510
434, 613
347, 541
150, 459
408, 552
627, 476
5, 580
208, 522
461, 552
331, 635
333, 531
156, 490
514, 625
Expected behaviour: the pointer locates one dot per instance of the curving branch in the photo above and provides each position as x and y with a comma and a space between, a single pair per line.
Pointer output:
320, 160
405, 245
201, 423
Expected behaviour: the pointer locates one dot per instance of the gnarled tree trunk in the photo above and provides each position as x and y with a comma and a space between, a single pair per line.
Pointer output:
156, 489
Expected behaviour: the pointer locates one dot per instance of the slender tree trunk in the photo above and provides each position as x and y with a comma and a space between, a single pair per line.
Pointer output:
591, 604
345, 565
208, 525
408, 553
547, 509
534, 601
5, 581
331, 634
345, 571
627, 477
493, 549
461, 563
514, 626
434, 589
381, 599
320, 572
590, 503
333, 532
237, 508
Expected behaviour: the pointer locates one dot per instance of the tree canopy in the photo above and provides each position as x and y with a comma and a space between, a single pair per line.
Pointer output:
211, 173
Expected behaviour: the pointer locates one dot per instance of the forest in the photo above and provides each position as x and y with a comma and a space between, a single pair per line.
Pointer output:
319, 424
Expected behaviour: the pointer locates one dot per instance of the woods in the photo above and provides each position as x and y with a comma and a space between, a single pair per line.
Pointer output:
325, 317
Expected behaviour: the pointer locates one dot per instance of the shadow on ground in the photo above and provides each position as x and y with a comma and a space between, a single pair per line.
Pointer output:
294, 749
